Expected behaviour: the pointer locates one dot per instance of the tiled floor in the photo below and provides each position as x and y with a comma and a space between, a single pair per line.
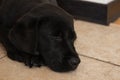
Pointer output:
89, 69
99, 50
98, 41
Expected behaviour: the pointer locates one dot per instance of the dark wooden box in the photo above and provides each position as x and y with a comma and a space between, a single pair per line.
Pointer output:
90, 11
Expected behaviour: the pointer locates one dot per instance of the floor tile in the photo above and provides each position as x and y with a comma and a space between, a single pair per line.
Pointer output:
98, 41
88, 70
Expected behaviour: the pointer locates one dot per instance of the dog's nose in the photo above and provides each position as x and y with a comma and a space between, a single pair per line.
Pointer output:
74, 62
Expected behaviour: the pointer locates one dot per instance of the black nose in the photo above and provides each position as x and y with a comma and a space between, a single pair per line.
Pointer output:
74, 62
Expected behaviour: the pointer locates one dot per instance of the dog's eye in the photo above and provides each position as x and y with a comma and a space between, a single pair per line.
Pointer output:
57, 36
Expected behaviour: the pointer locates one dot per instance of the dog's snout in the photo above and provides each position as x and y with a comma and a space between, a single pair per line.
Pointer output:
74, 62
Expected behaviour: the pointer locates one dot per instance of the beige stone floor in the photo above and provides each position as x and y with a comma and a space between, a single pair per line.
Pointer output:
99, 50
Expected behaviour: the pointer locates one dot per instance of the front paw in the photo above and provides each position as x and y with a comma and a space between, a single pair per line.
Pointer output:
33, 61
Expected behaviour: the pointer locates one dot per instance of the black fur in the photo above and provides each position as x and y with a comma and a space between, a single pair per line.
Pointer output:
38, 32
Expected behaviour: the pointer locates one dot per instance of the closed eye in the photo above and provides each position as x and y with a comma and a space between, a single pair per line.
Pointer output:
57, 36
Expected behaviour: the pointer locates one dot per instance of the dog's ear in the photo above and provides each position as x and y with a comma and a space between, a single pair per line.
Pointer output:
25, 32
23, 35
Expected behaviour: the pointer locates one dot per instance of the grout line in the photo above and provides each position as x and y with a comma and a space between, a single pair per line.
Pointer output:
3, 56
108, 62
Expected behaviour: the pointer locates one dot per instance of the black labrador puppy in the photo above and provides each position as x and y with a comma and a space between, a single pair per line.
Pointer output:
38, 32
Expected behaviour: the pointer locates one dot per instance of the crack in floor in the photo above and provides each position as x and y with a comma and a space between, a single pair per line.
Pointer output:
108, 62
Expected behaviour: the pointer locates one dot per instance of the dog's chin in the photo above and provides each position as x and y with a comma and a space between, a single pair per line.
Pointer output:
63, 67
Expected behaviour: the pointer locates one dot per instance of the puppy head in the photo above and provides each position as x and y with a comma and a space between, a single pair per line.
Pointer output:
51, 34
56, 44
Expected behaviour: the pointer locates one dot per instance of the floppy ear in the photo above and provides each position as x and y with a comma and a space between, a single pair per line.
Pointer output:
24, 35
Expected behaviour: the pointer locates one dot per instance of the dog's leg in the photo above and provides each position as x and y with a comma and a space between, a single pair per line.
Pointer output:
26, 58
32, 60
36, 61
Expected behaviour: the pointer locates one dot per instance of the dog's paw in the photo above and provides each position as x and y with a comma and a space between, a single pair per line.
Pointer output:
27, 59
33, 61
